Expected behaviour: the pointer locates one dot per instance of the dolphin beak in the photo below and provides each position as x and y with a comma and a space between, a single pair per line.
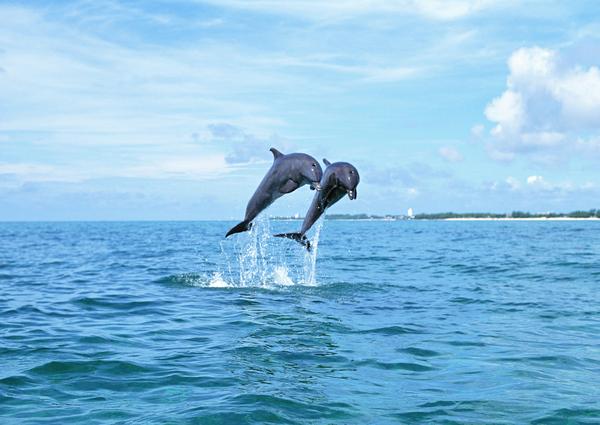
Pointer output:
352, 194
315, 186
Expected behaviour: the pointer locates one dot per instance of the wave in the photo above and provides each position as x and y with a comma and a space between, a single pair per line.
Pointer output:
390, 330
407, 366
77, 367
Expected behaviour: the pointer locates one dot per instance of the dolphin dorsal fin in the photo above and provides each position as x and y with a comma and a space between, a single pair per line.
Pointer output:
276, 153
326, 162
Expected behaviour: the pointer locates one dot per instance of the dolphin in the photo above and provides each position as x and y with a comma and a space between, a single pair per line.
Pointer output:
287, 174
339, 179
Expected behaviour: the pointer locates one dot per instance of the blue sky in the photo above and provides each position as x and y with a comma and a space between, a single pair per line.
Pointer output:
166, 110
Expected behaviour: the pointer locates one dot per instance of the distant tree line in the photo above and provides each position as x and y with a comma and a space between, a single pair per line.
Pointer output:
446, 215
354, 217
515, 214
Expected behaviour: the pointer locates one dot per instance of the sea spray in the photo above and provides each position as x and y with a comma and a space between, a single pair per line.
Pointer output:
260, 260
310, 257
253, 255
217, 281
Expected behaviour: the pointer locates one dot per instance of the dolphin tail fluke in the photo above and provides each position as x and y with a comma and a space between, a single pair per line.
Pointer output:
244, 226
297, 236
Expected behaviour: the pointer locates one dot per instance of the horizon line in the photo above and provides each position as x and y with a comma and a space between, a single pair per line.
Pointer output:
331, 216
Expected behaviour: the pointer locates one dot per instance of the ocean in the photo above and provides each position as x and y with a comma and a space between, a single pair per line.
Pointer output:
383, 322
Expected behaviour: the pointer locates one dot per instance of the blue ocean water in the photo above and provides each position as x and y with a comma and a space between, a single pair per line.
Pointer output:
384, 322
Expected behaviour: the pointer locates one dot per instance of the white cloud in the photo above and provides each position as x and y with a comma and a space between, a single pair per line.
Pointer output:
450, 154
533, 180
508, 111
537, 185
579, 93
548, 106
540, 183
530, 66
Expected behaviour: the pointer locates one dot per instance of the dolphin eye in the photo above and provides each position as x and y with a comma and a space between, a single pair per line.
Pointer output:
351, 171
314, 165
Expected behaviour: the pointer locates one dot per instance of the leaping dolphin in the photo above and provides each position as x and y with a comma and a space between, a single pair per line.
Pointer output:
339, 179
288, 173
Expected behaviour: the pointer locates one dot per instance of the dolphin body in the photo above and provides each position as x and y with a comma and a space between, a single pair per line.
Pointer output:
287, 174
339, 179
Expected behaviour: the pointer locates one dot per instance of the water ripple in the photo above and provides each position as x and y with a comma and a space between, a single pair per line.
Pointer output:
388, 322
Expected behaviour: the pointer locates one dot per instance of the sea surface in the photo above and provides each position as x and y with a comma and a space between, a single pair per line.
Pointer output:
382, 323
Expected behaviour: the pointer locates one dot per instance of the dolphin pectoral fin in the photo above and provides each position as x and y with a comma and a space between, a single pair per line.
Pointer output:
289, 186
276, 153
297, 236
244, 226
326, 162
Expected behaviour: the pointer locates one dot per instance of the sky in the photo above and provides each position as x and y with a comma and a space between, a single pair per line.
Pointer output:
166, 110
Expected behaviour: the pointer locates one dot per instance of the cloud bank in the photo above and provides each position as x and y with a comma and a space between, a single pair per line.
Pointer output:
549, 106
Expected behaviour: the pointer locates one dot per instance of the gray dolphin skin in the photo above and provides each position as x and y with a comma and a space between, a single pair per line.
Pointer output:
339, 179
288, 173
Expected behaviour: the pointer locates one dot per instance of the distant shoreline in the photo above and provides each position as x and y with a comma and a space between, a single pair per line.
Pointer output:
519, 219
231, 220
593, 214
455, 219
452, 219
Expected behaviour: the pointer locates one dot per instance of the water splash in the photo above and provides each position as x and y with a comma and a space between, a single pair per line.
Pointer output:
310, 257
259, 260
281, 276
217, 281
